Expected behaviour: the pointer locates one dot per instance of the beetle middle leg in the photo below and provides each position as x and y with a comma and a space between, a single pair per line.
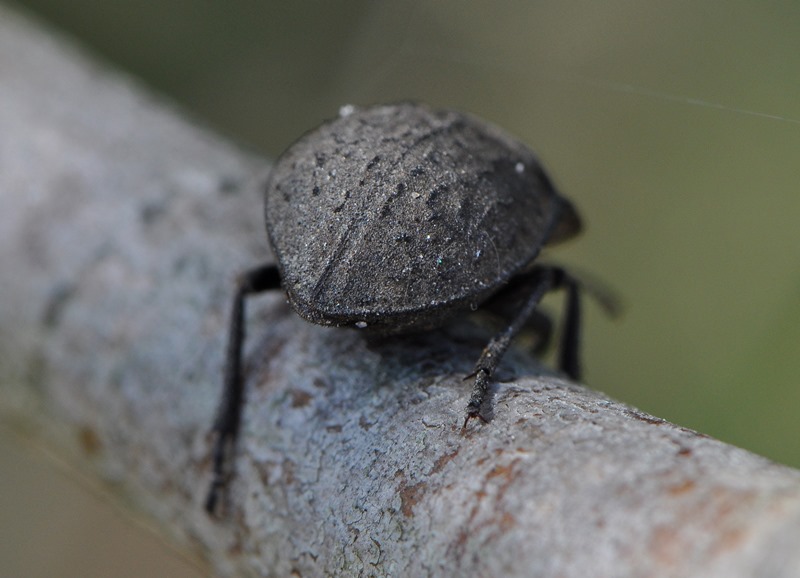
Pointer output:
229, 414
537, 282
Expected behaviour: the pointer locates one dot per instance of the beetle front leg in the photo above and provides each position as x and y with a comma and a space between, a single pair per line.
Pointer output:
538, 282
229, 413
541, 280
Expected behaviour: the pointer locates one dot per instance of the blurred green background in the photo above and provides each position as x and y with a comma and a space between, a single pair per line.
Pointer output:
675, 128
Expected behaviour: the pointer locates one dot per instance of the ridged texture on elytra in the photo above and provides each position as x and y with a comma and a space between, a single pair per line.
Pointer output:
394, 216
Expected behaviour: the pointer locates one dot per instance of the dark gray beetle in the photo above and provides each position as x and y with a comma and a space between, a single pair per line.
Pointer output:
396, 218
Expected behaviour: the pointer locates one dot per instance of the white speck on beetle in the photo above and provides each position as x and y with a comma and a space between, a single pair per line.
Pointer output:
361, 324
415, 195
520, 168
346, 110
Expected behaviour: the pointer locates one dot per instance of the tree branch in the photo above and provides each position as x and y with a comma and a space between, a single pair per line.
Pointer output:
121, 229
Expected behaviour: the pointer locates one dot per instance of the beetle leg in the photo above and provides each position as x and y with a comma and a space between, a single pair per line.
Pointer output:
569, 348
504, 304
539, 281
542, 282
229, 412
541, 326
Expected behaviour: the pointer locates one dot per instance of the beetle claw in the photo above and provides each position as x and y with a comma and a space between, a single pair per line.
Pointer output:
472, 415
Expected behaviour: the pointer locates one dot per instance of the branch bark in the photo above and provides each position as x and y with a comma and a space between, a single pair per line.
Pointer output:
121, 229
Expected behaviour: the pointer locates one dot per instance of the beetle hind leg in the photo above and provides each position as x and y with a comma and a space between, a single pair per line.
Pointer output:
229, 413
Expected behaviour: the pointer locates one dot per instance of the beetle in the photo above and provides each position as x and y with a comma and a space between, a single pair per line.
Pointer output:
396, 218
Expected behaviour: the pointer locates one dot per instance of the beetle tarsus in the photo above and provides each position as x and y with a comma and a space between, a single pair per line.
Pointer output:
479, 391
212, 498
222, 446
